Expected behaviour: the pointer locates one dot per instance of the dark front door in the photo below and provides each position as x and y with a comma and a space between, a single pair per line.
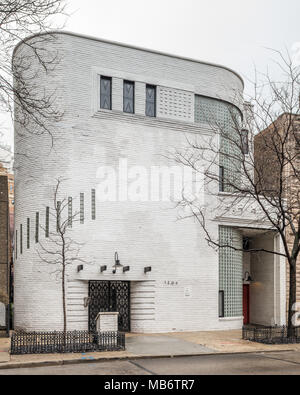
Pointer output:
106, 296
246, 303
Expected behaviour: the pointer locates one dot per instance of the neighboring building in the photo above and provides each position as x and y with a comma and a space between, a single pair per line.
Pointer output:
4, 249
122, 103
269, 168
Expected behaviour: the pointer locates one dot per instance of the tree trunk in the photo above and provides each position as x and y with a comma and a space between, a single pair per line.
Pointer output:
64, 300
292, 297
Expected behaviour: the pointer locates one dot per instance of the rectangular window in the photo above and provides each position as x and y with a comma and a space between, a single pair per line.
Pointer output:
37, 225
245, 141
28, 233
16, 245
128, 97
150, 101
105, 92
47, 222
221, 178
70, 212
82, 208
58, 210
21, 239
93, 204
221, 304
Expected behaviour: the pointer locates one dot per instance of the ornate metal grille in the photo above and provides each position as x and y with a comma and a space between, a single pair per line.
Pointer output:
108, 296
60, 342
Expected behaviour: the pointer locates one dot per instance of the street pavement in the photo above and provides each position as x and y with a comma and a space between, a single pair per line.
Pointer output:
281, 363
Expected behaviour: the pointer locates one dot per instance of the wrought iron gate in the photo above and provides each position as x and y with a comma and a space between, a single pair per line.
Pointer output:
108, 296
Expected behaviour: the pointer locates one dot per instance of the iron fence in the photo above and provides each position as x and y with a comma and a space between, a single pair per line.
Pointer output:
272, 335
66, 342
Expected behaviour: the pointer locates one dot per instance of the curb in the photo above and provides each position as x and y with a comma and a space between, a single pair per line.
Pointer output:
18, 365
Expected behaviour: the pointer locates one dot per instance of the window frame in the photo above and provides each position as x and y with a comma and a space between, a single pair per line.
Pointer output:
154, 87
102, 107
132, 83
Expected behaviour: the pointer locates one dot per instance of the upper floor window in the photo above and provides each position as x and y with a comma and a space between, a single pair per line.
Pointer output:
151, 101
245, 141
105, 93
128, 97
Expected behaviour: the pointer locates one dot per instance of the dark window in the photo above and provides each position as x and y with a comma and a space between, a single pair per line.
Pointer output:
21, 239
93, 204
221, 304
151, 101
28, 233
105, 93
221, 178
37, 225
245, 141
128, 97
16, 244
47, 222
82, 208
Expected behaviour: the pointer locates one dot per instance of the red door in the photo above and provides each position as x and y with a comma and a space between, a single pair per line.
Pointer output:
246, 303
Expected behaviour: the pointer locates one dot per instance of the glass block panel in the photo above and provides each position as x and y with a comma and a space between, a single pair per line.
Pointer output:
93, 203
231, 271
225, 118
70, 212
58, 211
81, 208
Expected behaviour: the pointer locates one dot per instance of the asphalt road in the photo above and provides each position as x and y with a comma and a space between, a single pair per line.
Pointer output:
283, 363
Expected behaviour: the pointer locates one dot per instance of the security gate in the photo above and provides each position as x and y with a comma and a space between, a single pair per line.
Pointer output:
110, 296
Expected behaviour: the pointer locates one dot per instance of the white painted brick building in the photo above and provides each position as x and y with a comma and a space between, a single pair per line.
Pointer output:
182, 290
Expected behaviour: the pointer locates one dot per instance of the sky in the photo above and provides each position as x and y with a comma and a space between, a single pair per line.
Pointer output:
234, 33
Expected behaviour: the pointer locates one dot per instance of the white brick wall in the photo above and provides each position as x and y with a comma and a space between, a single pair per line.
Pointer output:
143, 233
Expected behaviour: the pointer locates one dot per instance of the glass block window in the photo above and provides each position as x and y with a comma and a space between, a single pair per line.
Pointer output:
105, 92
58, 212
21, 239
128, 97
151, 101
225, 118
231, 271
70, 212
28, 233
93, 203
47, 222
81, 208
37, 225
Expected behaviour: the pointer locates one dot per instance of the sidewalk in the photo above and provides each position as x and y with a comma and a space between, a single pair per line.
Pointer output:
150, 345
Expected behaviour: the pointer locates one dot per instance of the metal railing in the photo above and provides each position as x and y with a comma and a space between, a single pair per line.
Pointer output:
272, 335
69, 342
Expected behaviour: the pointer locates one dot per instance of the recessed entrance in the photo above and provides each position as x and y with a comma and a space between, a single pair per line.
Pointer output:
110, 296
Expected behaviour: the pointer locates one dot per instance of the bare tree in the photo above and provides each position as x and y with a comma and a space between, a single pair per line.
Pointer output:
264, 176
60, 250
19, 92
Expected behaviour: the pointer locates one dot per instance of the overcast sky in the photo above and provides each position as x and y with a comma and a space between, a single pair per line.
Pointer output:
234, 33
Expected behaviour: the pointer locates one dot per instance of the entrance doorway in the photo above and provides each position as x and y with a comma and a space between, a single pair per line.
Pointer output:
246, 303
110, 296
